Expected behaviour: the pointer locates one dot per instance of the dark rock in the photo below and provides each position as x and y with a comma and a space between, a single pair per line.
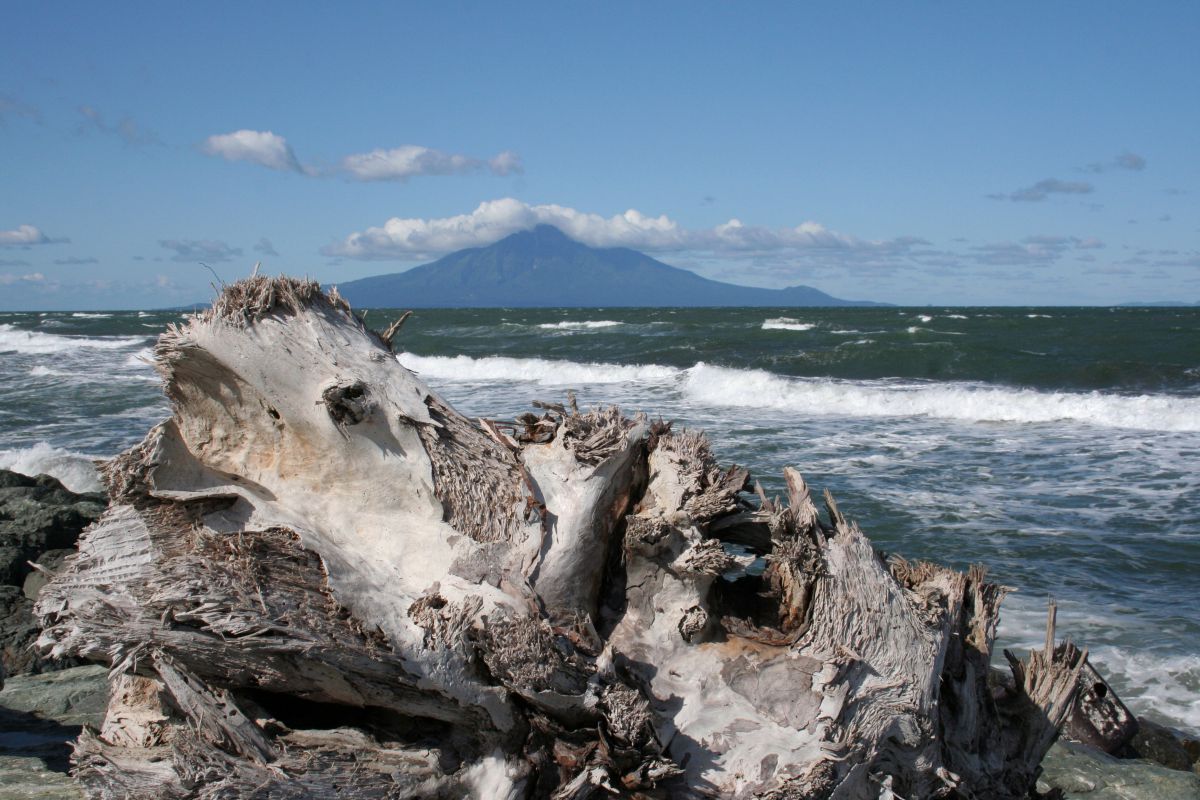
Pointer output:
18, 631
36, 515
40, 521
1159, 744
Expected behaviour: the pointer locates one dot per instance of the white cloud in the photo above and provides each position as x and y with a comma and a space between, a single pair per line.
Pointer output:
8, 278
396, 164
506, 163
495, 219
412, 160
258, 147
25, 235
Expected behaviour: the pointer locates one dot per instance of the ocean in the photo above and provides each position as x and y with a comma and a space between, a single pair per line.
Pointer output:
1059, 447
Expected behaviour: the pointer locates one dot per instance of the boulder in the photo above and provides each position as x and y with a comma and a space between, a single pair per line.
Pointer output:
1085, 773
1160, 744
40, 521
40, 718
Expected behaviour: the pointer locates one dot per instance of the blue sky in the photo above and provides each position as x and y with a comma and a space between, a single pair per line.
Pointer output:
969, 153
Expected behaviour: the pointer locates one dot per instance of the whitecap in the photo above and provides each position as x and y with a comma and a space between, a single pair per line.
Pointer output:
142, 358
587, 324
967, 402
85, 315
787, 324
16, 340
77, 471
533, 370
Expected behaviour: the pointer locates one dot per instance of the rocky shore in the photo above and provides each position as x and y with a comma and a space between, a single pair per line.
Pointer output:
44, 704
40, 521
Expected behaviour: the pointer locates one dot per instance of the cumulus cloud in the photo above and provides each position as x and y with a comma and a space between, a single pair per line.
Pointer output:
411, 160
258, 147
125, 127
192, 250
264, 247
1043, 189
25, 236
493, 220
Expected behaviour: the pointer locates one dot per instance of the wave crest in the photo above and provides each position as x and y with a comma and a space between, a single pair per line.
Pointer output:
16, 340
965, 402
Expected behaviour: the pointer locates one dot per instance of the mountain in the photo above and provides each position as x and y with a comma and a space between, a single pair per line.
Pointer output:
543, 267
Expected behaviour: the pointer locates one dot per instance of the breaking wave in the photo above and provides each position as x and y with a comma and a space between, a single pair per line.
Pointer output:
787, 324
16, 340
581, 325
710, 385
76, 470
966, 402
532, 370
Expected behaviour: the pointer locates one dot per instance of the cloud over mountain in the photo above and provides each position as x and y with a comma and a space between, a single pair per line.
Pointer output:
493, 220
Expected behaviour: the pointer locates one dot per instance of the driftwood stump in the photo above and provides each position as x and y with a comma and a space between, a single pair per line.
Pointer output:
317, 579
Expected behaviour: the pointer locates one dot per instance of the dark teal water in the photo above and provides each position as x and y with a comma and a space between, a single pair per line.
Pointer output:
1057, 446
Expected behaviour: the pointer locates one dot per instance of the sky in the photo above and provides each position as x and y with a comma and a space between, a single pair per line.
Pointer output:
913, 153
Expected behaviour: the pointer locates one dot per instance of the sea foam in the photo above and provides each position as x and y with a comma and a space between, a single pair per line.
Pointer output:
532, 370
16, 340
715, 386
572, 325
76, 470
723, 386
787, 324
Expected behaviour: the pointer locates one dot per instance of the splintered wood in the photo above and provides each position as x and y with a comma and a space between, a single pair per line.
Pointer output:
318, 579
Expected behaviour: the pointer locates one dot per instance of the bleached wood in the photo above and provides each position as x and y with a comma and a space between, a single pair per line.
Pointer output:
318, 579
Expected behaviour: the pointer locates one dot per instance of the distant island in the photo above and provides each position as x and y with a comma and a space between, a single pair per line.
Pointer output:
543, 267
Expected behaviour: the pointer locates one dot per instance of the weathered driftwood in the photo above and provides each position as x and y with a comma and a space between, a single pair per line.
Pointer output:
317, 579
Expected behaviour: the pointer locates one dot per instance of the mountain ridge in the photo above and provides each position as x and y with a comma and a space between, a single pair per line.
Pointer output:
543, 267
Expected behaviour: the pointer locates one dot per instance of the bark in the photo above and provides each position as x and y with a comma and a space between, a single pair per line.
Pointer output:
319, 579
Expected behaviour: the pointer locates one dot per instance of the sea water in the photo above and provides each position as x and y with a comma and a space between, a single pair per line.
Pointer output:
1058, 447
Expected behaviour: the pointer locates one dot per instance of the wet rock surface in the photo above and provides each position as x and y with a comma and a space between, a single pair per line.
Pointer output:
1088, 774
40, 521
40, 715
